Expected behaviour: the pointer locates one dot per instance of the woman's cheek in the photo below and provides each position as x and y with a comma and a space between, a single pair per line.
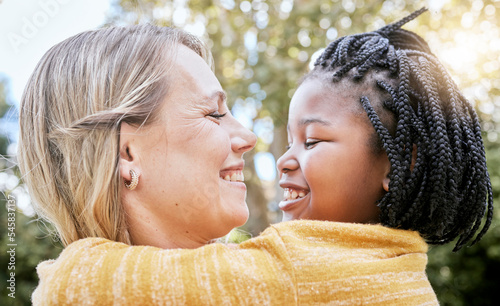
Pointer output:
222, 142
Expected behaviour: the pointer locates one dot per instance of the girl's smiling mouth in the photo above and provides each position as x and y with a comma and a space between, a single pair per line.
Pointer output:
287, 205
292, 196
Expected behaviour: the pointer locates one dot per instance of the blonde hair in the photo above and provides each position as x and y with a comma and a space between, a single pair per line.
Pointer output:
71, 111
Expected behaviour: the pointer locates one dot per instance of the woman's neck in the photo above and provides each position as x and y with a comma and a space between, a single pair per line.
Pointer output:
146, 228
151, 235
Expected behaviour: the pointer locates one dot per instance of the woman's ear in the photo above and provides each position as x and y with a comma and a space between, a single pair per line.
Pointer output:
129, 160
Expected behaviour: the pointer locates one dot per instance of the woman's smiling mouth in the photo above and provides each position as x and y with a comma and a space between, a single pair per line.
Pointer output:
233, 173
233, 176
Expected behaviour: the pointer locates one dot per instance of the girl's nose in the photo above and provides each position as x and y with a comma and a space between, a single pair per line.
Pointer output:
287, 162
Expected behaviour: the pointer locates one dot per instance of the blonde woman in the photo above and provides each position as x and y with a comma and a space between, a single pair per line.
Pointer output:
126, 135
134, 151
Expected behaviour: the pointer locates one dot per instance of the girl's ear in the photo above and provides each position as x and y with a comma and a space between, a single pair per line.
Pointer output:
129, 160
387, 171
387, 180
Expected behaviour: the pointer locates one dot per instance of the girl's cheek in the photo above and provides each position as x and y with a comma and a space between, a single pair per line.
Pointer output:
313, 161
310, 168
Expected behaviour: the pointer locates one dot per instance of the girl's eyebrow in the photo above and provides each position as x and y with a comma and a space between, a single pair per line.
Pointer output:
307, 121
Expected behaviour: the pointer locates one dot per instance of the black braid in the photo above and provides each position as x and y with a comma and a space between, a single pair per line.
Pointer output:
445, 191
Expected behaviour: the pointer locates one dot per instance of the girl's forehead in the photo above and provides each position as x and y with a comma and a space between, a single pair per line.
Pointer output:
321, 93
315, 95
315, 102
338, 103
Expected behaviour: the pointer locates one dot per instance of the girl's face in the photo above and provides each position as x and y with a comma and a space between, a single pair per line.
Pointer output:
191, 186
329, 171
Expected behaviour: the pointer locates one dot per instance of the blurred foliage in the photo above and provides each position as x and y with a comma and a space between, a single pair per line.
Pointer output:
262, 48
236, 236
471, 276
33, 245
4, 106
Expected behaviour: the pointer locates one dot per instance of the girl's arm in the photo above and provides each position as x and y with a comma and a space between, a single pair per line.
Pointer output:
99, 271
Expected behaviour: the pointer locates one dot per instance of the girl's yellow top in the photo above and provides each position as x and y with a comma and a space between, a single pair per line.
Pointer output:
291, 263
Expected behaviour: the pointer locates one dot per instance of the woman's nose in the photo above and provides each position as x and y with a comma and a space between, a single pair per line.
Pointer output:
287, 162
242, 139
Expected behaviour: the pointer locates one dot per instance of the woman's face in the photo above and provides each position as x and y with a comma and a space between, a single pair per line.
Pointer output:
190, 160
329, 171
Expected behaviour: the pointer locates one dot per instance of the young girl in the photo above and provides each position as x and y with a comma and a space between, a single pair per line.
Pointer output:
415, 162
379, 133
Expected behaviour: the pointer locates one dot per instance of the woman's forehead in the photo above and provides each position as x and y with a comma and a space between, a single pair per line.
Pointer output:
192, 78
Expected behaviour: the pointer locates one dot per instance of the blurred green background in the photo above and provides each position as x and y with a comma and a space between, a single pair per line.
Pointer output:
261, 49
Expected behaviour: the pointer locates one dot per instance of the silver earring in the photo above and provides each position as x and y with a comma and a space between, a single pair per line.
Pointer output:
133, 182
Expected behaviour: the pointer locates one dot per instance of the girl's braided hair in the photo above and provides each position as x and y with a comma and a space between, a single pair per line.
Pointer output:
446, 190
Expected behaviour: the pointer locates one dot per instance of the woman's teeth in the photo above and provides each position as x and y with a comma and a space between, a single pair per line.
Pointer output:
235, 177
291, 194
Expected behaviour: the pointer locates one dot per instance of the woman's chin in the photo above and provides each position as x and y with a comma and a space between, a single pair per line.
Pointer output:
241, 214
245, 215
237, 213
234, 203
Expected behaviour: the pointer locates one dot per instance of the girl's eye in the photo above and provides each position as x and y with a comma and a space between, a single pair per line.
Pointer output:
309, 144
288, 147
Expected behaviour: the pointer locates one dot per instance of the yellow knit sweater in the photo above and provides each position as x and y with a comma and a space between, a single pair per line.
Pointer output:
291, 263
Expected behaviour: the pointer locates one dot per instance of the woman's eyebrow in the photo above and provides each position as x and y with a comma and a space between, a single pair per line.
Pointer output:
219, 96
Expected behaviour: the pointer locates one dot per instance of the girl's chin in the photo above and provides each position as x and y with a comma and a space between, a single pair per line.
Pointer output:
287, 217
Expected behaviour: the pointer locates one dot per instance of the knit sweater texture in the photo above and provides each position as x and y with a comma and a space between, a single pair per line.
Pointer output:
290, 263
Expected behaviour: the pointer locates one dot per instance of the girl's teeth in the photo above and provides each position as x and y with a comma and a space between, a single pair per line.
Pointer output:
293, 194
227, 178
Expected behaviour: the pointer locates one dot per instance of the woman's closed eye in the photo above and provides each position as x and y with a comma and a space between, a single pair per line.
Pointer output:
216, 116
